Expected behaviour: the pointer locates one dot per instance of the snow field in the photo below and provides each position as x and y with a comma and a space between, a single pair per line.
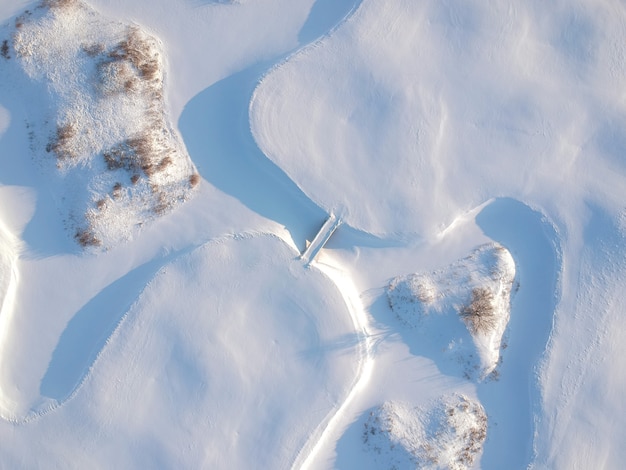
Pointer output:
233, 380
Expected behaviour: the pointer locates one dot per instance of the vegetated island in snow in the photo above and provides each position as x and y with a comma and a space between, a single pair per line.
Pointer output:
463, 308
447, 435
96, 106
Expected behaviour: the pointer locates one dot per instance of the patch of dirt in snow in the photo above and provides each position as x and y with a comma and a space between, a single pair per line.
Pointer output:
449, 434
474, 292
97, 113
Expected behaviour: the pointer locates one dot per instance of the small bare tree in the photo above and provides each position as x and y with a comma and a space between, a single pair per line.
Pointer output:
479, 315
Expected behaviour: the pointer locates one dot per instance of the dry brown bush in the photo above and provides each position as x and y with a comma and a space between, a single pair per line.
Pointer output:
52, 4
479, 315
117, 190
194, 180
60, 143
164, 163
4, 49
137, 49
162, 204
116, 76
93, 50
118, 157
86, 237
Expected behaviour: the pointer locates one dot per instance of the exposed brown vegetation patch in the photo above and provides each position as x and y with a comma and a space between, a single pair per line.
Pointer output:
60, 143
136, 48
164, 163
117, 190
479, 315
117, 76
120, 156
93, 50
86, 237
194, 180
4, 49
56, 4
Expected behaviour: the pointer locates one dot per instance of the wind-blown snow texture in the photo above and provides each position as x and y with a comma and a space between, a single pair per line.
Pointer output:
428, 128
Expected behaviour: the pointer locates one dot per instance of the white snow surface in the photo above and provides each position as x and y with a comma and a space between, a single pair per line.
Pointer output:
196, 373
428, 128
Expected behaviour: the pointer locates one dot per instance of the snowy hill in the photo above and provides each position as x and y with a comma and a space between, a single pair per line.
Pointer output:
475, 291
456, 168
119, 162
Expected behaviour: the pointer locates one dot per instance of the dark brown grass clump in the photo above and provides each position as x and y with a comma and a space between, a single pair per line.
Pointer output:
86, 237
164, 163
60, 143
194, 180
93, 50
4, 49
117, 190
55, 4
479, 315
138, 50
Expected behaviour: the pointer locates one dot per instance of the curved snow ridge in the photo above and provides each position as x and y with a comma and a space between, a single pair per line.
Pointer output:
9, 279
44, 405
311, 45
256, 128
535, 243
352, 298
279, 349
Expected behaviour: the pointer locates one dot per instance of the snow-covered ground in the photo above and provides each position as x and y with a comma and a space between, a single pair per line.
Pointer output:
202, 339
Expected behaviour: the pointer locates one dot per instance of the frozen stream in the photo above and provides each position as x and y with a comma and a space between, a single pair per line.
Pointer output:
513, 401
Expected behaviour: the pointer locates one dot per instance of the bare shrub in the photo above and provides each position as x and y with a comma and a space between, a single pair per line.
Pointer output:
55, 4
141, 146
117, 190
137, 49
164, 163
162, 204
479, 315
85, 238
116, 76
60, 143
21, 19
101, 204
194, 180
4, 49
93, 50
134, 179
120, 156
